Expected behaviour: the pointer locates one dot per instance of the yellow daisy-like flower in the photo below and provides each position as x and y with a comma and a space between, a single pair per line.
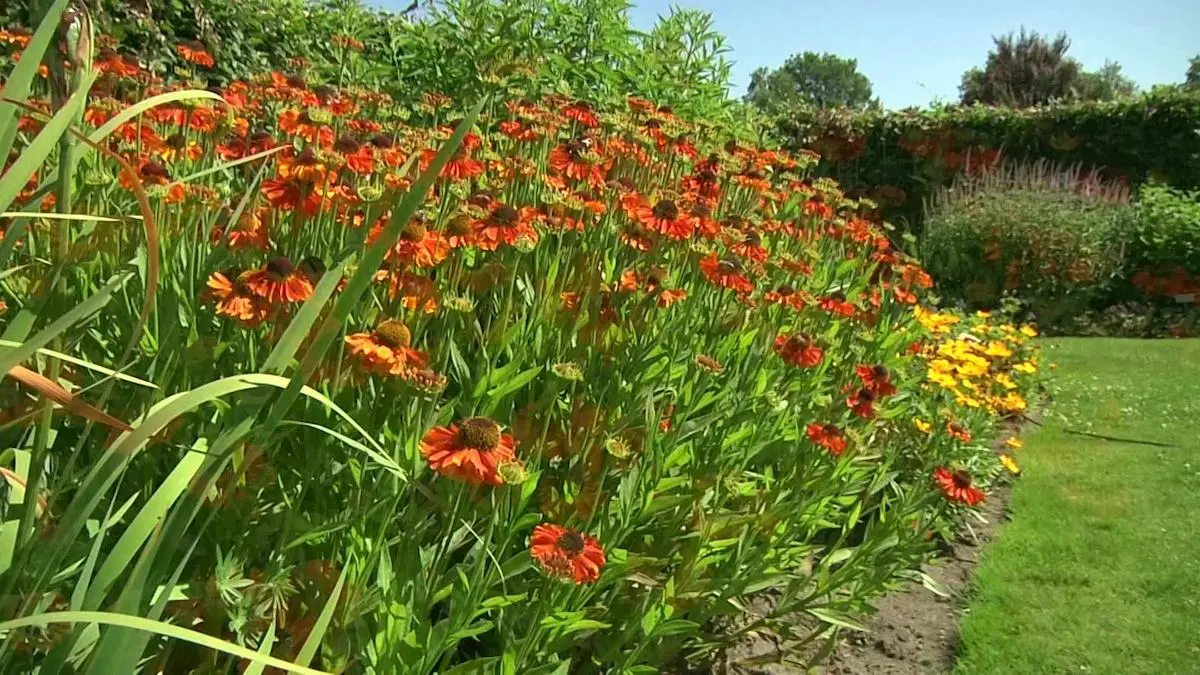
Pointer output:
1013, 402
969, 401
941, 378
1005, 381
998, 349
922, 426
983, 315
1027, 367
1010, 465
1028, 331
1014, 443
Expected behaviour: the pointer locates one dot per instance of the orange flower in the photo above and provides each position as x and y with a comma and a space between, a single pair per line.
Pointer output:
664, 218
828, 436
278, 281
862, 403
958, 431
462, 166
567, 554
505, 224
471, 451
956, 485
581, 112
787, 294
798, 350
726, 273
235, 299
195, 52
836, 304
877, 379
573, 160
387, 350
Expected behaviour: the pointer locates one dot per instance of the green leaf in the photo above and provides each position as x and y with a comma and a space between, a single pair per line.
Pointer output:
513, 384
836, 618
309, 650
144, 105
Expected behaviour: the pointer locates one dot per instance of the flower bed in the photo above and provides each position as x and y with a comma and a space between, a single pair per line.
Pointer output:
567, 386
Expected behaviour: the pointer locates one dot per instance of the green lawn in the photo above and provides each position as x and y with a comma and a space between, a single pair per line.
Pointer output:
1099, 568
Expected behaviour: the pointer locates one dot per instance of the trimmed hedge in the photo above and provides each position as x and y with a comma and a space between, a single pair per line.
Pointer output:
899, 158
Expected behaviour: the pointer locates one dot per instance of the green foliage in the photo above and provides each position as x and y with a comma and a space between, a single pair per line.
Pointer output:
1023, 70
901, 158
1105, 84
1192, 78
1167, 236
811, 79
1028, 70
1049, 236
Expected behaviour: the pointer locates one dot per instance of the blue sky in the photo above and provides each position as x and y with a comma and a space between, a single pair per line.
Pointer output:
915, 51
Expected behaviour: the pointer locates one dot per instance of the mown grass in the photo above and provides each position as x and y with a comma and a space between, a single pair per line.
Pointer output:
1099, 568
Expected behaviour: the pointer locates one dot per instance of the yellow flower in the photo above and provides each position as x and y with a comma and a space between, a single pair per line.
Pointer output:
1014, 443
1028, 331
969, 401
934, 322
998, 349
1005, 381
1027, 367
922, 426
1013, 402
944, 379
983, 315
1010, 464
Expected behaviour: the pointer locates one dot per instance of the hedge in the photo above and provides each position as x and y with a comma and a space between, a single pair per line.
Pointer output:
899, 157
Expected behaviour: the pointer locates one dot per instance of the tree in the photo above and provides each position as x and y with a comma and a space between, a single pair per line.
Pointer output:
1193, 73
1023, 70
1105, 84
820, 80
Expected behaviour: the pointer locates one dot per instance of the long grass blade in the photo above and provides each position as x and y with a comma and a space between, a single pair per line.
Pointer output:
86, 364
14, 356
309, 650
55, 392
20, 80
160, 628
142, 106
42, 145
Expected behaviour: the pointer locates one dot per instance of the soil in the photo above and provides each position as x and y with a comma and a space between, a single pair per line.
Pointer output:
914, 631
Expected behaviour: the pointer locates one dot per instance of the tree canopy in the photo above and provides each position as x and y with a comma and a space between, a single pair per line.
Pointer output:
819, 80
1028, 69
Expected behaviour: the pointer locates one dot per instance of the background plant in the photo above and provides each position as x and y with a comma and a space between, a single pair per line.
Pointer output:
1055, 238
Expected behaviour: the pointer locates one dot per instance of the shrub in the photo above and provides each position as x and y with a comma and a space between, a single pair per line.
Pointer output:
1048, 236
902, 158
523, 388
1164, 251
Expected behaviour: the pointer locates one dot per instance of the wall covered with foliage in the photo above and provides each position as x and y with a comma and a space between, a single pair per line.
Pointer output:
898, 158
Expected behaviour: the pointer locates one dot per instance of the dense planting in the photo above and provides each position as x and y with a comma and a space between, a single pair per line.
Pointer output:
529, 388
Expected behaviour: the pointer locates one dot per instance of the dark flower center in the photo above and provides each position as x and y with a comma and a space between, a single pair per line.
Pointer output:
653, 124
154, 170
459, 226
280, 268
666, 110
129, 59
260, 136
479, 433
865, 395
700, 211
666, 209
307, 157
832, 430
393, 333
962, 479
731, 146
414, 230
381, 141
346, 145
505, 215
729, 266
785, 290
481, 199
195, 45
325, 92
304, 117
880, 372
752, 239
295, 81
798, 342
176, 141
571, 543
